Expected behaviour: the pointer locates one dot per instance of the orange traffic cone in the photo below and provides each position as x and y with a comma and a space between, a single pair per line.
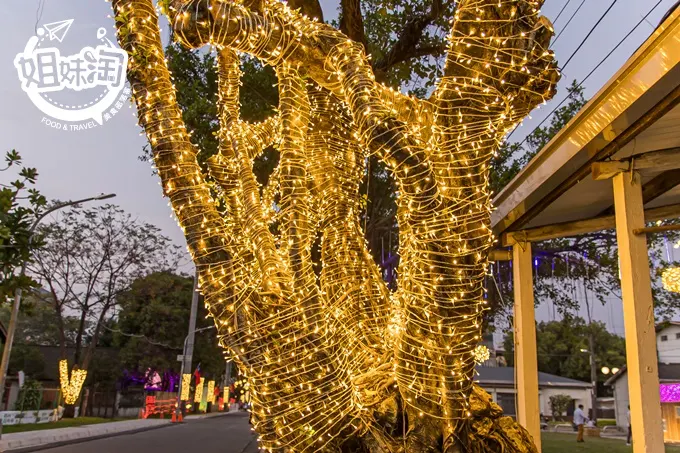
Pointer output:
181, 419
174, 417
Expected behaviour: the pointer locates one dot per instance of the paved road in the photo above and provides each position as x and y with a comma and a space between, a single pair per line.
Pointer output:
227, 434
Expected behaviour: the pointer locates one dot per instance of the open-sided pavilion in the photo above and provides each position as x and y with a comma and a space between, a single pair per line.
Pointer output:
615, 166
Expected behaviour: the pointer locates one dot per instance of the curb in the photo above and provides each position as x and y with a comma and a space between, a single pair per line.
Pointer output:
211, 415
82, 439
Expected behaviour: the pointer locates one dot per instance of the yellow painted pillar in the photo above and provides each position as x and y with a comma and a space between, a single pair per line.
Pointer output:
526, 364
638, 316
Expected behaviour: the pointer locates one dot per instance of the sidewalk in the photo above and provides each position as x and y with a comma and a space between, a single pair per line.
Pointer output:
37, 440
54, 437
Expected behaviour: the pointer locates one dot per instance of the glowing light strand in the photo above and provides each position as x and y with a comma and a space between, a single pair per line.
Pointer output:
328, 352
71, 386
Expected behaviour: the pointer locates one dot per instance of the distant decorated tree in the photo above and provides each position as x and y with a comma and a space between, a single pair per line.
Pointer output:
88, 259
335, 360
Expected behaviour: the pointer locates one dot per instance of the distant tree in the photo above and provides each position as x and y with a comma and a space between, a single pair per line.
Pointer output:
38, 323
153, 321
20, 202
29, 359
89, 257
559, 352
559, 405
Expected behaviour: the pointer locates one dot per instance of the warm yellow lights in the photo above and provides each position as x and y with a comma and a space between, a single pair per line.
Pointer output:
198, 395
671, 279
327, 350
210, 395
186, 387
481, 354
70, 387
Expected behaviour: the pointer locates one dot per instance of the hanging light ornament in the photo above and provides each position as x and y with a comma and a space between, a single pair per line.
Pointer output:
481, 354
671, 279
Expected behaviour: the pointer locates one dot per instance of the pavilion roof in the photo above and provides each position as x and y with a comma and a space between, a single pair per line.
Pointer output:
635, 112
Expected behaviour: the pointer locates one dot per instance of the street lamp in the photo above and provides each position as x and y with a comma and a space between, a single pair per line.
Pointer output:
593, 380
181, 372
605, 370
17, 293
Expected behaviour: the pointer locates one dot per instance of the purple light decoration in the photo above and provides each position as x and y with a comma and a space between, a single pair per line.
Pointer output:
669, 393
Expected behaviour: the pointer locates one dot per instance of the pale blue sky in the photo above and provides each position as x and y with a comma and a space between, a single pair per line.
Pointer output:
104, 159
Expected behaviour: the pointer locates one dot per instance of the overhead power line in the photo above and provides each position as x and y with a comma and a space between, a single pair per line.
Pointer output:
561, 11
569, 21
592, 71
590, 33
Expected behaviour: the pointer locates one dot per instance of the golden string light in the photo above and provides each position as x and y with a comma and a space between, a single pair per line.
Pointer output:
198, 394
70, 387
210, 396
481, 354
186, 386
327, 350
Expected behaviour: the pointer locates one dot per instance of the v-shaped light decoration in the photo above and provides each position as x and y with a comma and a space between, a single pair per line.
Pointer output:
70, 387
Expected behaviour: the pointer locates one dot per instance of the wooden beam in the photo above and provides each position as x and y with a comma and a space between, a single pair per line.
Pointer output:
664, 106
658, 186
526, 362
638, 316
560, 230
500, 255
607, 169
656, 229
665, 159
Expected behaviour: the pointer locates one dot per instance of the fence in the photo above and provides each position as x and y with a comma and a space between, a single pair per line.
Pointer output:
100, 403
163, 405
30, 405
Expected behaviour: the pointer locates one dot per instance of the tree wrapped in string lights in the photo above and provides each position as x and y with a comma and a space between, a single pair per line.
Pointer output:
335, 360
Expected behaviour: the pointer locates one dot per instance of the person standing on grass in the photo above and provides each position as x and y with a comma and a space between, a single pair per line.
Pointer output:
630, 428
579, 421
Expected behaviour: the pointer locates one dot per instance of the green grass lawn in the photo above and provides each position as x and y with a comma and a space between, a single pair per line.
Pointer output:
566, 443
63, 423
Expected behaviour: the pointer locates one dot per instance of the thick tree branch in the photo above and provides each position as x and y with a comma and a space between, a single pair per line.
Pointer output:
410, 36
310, 8
352, 21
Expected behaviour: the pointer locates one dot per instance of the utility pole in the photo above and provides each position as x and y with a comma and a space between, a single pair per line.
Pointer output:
227, 373
591, 351
4, 364
189, 350
191, 333
593, 373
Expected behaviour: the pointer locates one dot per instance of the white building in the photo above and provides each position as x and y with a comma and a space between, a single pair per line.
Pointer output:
668, 353
668, 342
499, 382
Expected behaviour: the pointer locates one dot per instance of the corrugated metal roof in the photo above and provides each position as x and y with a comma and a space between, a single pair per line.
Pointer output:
506, 376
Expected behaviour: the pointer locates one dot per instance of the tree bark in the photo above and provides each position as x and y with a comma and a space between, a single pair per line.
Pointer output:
341, 363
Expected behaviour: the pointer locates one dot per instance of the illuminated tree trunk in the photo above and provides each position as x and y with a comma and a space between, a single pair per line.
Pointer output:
335, 361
